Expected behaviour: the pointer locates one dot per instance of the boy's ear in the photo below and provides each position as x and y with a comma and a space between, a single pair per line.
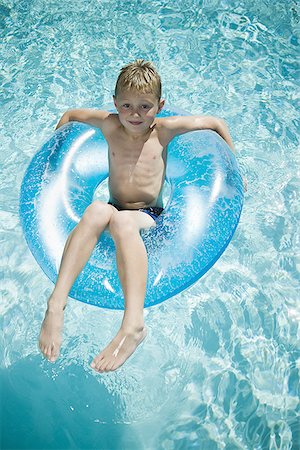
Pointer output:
115, 100
161, 105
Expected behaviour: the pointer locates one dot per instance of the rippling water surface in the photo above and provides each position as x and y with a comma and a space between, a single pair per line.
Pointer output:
220, 366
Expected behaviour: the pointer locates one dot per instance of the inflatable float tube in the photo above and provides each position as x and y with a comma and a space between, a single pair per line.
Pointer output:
203, 198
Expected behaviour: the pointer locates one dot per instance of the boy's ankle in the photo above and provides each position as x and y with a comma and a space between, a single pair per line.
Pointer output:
132, 320
56, 302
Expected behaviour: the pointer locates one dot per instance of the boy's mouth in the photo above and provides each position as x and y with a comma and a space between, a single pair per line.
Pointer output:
135, 123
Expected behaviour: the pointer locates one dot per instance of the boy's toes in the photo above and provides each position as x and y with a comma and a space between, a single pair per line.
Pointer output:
96, 363
54, 355
48, 352
99, 366
103, 365
109, 366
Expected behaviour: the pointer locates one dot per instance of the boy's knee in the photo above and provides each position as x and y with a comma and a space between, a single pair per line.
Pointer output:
97, 214
122, 224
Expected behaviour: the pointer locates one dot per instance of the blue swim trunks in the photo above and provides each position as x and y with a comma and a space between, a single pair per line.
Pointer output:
152, 211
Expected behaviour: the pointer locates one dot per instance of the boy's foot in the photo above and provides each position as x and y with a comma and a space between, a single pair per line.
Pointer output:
119, 349
50, 336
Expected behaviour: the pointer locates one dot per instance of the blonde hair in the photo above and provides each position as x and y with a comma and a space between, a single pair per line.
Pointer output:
140, 76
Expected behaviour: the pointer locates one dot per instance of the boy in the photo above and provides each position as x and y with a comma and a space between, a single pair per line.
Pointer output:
137, 149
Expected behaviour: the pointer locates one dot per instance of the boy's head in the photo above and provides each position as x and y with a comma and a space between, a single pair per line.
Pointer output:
141, 77
137, 96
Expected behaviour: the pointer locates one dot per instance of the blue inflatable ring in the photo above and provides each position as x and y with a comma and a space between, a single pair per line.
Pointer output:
203, 198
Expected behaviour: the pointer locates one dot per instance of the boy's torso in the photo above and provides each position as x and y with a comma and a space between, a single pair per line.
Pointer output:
137, 167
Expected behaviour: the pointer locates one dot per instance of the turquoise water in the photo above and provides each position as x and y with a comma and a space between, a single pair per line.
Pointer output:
220, 366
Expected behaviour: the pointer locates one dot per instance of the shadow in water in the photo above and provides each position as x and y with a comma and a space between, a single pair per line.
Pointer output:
60, 408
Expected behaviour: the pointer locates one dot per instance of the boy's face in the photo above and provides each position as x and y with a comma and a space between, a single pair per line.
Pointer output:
137, 110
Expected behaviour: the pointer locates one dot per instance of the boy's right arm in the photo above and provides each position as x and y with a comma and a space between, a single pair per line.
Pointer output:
94, 117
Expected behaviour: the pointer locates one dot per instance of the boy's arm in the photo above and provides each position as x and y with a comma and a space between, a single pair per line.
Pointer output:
93, 117
182, 124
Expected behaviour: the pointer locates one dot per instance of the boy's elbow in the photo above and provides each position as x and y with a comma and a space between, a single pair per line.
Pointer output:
69, 115
215, 123
220, 122
65, 118
221, 125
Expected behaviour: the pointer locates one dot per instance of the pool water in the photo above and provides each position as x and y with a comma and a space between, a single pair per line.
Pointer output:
220, 366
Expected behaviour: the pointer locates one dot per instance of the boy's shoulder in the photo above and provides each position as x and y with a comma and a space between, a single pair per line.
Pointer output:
107, 121
105, 116
166, 123
160, 125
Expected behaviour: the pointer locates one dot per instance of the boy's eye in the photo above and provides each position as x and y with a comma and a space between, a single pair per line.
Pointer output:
126, 105
145, 106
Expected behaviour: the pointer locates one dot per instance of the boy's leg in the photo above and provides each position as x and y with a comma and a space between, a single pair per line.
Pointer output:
132, 264
77, 251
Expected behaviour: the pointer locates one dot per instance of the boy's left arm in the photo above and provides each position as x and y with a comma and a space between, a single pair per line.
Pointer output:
177, 125
173, 126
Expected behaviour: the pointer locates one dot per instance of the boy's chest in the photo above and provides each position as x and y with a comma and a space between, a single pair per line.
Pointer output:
140, 155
